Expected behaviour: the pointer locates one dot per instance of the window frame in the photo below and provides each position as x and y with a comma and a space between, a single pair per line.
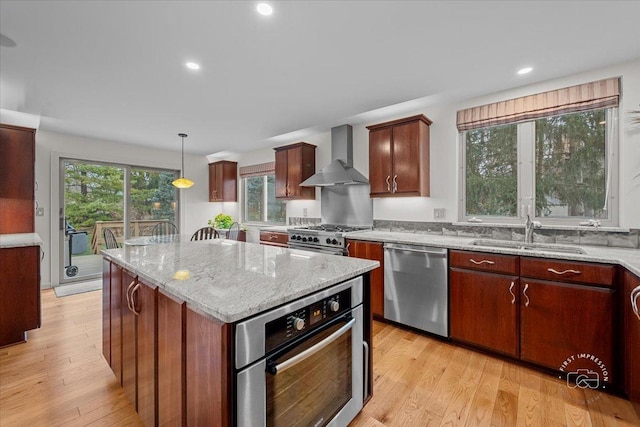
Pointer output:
526, 177
265, 200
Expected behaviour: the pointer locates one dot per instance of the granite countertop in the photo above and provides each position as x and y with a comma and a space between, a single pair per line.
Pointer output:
628, 258
19, 240
232, 280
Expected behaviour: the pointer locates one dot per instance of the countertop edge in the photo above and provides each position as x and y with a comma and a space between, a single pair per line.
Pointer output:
18, 240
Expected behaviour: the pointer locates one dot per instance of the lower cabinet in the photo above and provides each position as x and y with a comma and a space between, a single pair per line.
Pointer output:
373, 251
19, 293
174, 364
631, 337
510, 305
484, 310
274, 238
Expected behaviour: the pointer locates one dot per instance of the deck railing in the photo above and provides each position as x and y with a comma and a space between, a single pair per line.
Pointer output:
141, 227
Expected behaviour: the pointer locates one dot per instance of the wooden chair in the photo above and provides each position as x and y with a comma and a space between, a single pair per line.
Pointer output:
110, 239
205, 233
233, 232
164, 229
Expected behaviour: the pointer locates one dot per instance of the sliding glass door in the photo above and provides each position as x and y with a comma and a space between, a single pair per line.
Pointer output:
99, 198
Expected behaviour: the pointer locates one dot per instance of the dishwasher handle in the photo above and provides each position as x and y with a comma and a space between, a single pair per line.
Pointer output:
413, 248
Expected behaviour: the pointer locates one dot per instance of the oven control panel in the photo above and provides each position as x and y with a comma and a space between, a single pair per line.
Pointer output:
290, 326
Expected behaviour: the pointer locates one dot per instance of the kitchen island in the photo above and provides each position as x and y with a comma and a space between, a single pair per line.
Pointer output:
170, 310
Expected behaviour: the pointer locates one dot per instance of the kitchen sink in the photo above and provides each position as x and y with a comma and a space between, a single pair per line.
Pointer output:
541, 247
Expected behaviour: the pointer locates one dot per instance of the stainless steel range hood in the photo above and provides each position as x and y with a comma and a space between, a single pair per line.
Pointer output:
340, 171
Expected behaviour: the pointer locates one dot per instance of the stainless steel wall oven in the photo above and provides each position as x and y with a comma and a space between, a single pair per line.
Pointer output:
303, 364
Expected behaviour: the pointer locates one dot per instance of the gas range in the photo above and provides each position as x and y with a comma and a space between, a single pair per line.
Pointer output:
328, 238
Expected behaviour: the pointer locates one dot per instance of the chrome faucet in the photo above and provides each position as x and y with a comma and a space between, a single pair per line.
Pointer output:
528, 229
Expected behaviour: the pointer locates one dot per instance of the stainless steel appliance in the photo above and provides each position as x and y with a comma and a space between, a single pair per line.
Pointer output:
324, 238
303, 363
415, 287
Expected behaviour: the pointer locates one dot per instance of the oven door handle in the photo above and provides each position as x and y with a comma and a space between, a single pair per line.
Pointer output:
275, 369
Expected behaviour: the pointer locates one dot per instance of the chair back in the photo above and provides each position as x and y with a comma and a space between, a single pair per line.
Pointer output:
205, 233
164, 229
110, 239
233, 232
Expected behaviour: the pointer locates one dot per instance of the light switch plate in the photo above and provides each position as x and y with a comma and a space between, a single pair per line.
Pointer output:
39, 211
438, 213
304, 212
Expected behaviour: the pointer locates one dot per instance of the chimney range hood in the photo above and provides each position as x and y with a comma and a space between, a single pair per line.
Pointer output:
340, 171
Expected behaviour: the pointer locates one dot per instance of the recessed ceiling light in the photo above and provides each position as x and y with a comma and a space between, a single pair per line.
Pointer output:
192, 66
525, 70
264, 9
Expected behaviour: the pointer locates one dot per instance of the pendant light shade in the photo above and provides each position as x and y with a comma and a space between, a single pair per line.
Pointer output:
182, 182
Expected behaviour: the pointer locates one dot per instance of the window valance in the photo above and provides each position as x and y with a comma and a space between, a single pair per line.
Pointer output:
599, 94
258, 170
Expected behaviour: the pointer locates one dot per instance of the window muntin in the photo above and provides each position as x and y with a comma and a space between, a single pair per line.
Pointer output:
563, 168
260, 203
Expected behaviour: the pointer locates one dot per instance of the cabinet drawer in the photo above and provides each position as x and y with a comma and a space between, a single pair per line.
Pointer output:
507, 264
568, 271
274, 238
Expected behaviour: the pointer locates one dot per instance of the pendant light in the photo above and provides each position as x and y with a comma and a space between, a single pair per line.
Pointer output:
182, 182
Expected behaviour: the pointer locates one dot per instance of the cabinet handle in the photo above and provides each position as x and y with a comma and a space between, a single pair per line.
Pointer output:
634, 301
366, 366
348, 244
395, 183
513, 299
388, 184
524, 292
560, 273
484, 261
127, 294
133, 301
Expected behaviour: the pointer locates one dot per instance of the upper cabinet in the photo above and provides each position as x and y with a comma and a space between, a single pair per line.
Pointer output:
17, 179
399, 157
294, 164
223, 181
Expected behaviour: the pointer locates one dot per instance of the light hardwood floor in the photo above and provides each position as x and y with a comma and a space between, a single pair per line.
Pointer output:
59, 378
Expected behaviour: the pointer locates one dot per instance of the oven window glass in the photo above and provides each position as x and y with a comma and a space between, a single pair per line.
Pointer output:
311, 392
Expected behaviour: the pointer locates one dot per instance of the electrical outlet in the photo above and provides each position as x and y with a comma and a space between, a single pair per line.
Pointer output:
438, 213
40, 212
304, 212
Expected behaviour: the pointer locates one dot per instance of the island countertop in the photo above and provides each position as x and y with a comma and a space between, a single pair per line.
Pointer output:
232, 280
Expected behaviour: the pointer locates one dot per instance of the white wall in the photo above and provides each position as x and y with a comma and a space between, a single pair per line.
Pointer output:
445, 154
196, 209
50, 147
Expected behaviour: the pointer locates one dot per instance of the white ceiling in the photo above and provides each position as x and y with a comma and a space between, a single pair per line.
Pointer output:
115, 69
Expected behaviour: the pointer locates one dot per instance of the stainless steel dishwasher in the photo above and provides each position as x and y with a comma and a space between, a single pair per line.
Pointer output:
415, 287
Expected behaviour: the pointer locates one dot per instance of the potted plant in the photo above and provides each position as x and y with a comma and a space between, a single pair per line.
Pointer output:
221, 222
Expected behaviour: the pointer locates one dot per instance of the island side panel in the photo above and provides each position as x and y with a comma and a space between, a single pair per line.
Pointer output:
209, 374
171, 355
116, 321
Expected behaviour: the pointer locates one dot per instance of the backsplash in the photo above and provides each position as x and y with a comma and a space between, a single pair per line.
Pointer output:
561, 235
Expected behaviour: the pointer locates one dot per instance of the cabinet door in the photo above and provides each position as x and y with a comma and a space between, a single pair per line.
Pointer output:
229, 181
19, 292
128, 341
373, 251
17, 178
281, 174
632, 339
171, 347
559, 321
106, 310
215, 182
380, 172
145, 303
484, 310
406, 158
116, 320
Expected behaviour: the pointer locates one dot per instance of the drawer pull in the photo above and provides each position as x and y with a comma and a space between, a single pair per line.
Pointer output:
484, 261
634, 301
560, 273
524, 292
513, 299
